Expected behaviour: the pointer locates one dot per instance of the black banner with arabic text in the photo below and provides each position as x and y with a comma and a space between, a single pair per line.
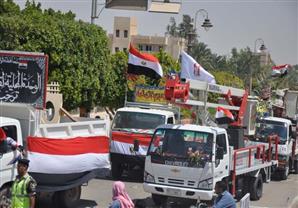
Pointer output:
23, 78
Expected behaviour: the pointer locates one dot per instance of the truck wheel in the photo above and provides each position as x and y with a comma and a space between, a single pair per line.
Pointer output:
284, 173
256, 188
68, 198
116, 170
159, 199
5, 197
296, 166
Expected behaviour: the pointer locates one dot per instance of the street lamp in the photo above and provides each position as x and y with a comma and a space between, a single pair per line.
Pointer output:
206, 24
192, 33
262, 48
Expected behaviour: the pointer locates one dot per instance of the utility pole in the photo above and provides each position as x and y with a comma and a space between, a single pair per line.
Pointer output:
93, 11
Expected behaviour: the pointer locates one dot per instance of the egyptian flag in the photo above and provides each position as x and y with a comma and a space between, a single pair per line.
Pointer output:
67, 162
223, 116
280, 70
143, 64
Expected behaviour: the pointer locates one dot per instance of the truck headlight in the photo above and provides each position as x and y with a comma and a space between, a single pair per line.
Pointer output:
206, 184
148, 177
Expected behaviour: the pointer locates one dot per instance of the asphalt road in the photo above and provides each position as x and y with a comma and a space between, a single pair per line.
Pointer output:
98, 193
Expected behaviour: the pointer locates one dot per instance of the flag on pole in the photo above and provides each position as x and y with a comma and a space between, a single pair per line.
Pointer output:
223, 116
143, 64
190, 69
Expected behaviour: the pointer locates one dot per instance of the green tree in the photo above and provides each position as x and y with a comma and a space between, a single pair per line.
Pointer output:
78, 52
116, 86
7, 7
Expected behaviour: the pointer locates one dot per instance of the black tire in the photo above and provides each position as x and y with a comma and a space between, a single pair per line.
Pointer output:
5, 197
246, 186
67, 198
256, 188
159, 199
116, 170
283, 174
296, 166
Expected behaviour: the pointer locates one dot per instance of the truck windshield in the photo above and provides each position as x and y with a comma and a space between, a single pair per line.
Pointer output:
181, 147
268, 128
134, 120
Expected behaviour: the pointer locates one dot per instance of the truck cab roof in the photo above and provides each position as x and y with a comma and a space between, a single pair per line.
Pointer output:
193, 127
7, 121
146, 110
277, 119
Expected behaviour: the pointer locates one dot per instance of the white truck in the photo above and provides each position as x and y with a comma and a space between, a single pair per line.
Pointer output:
53, 172
287, 147
63, 156
286, 129
187, 160
131, 132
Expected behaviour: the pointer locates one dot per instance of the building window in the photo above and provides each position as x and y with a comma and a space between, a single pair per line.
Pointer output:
125, 33
148, 48
117, 33
140, 47
125, 49
116, 49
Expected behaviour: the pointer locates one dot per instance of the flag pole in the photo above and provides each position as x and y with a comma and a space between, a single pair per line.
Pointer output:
126, 89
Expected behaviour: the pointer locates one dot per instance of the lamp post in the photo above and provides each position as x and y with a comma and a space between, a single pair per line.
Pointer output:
192, 33
262, 48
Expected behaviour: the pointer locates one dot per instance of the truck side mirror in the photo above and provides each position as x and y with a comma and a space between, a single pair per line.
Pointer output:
136, 145
219, 153
3, 147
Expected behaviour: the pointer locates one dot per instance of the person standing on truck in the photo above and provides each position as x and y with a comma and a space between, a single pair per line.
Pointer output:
24, 187
224, 198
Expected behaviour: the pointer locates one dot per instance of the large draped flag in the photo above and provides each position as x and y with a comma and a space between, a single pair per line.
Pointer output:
143, 64
64, 162
190, 69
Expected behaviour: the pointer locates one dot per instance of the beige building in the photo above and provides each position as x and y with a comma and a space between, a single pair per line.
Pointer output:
265, 58
125, 32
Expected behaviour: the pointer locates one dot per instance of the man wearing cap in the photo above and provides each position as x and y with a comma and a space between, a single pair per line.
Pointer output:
24, 187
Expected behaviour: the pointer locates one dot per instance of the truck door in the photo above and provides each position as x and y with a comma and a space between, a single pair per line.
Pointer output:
221, 164
7, 170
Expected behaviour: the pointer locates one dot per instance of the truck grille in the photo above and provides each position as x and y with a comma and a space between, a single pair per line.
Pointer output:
175, 181
178, 182
161, 180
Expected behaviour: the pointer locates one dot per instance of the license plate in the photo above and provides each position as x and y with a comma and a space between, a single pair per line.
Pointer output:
174, 192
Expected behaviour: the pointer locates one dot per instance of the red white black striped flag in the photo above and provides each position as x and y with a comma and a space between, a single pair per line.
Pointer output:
143, 64
223, 116
280, 70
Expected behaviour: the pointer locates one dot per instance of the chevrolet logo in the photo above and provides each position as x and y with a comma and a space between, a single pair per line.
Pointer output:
175, 170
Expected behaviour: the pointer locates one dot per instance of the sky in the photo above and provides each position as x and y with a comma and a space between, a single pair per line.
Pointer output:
236, 23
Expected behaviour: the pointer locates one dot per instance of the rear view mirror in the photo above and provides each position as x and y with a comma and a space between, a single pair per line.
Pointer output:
136, 145
3, 147
219, 153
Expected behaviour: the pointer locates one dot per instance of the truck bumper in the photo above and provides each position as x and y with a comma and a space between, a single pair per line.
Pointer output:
205, 195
